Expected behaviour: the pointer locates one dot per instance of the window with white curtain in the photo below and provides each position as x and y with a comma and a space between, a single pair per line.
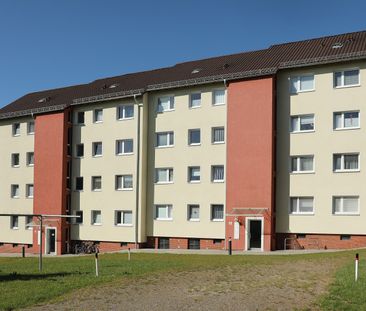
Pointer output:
125, 112
165, 139
96, 183
346, 120
15, 159
14, 191
30, 128
301, 164
123, 218
301, 84
16, 129
194, 174
29, 190
163, 175
124, 146
346, 205
217, 173
218, 97
346, 162
96, 217
98, 115
218, 135
165, 103
301, 205
124, 182
217, 212
14, 222
163, 212
195, 100
302, 123
97, 149
30, 158
346, 78
193, 212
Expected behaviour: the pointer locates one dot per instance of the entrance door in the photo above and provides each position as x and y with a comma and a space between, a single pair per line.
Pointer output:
51, 240
255, 234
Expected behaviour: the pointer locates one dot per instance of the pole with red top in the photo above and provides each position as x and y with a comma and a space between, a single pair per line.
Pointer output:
356, 267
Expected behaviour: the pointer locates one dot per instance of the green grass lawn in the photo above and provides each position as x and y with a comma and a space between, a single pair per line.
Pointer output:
22, 285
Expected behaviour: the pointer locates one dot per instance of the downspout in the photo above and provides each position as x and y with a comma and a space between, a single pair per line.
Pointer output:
137, 171
225, 207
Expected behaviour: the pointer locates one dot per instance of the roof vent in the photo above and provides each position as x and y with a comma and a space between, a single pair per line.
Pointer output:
225, 66
44, 99
196, 70
114, 85
337, 45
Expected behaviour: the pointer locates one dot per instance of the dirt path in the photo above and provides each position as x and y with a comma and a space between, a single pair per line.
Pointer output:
286, 286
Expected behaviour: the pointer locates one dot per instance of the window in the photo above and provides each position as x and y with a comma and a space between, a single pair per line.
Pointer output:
15, 159
193, 243
98, 115
123, 218
345, 162
80, 117
165, 103
125, 112
194, 137
194, 174
97, 149
347, 205
96, 218
301, 205
218, 135
96, 183
165, 139
79, 219
30, 127
79, 150
124, 182
302, 84
163, 243
14, 191
124, 146
29, 190
303, 123
30, 158
163, 175
346, 120
346, 78
28, 222
217, 173
195, 100
217, 212
79, 183
344, 237
193, 212
301, 164
218, 97
16, 129
163, 212
14, 222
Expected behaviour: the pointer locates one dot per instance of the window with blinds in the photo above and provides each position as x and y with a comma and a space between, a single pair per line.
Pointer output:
217, 173
218, 135
217, 212
346, 162
218, 97
347, 78
346, 205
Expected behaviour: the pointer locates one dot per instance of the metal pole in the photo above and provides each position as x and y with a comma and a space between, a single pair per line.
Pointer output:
230, 247
356, 267
129, 254
96, 264
40, 244
23, 251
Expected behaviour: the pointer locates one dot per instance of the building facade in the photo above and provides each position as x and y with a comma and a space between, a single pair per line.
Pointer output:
263, 149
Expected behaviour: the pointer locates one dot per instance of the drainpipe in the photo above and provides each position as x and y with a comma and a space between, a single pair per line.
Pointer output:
139, 105
225, 228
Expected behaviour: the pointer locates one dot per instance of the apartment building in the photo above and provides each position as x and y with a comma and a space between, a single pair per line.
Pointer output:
263, 149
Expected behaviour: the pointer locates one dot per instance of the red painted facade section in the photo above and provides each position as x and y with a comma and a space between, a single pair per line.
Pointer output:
50, 166
250, 158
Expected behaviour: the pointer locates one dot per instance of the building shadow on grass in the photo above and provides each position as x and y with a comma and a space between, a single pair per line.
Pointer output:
29, 277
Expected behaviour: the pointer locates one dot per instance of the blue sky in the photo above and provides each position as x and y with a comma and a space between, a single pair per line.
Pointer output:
48, 44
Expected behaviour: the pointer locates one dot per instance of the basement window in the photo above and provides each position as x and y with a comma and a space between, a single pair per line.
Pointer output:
301, 236
345, 237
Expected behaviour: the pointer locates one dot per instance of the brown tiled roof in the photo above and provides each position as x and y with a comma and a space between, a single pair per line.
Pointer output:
350, 46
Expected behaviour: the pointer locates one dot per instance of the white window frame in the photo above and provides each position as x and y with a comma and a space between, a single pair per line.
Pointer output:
213, 175
171, 104
93, 150
122, 177
298, 198
298, 83
342, 201
343, 170
168, 170
13, 194
93, 180
122, 108
299, 119
298, 160
123, 142
189, 174
28, 155
169, 207
189, 137
214, 97
342, 78
213, 135
29, 132
169, 134
95, 111
212, 214
12, 160
92, 218
191, 100
343, 128
189, 218
27, 191
122, 223
14, 131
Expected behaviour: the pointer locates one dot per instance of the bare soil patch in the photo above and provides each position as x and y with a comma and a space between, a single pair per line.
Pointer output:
288, 285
